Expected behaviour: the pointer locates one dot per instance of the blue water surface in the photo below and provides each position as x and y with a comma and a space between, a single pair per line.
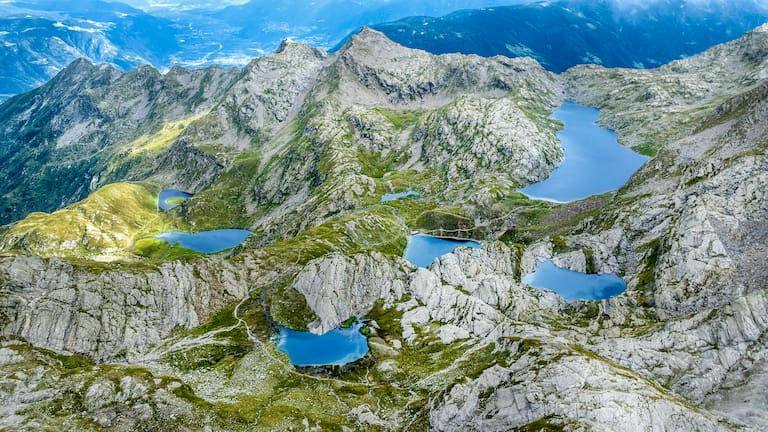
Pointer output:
397, 196
207, 241
572, 285
423, 249
162, 199
336, 347
594, 163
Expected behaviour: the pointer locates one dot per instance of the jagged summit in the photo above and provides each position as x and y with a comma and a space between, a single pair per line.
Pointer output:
289, 45
372, 39
82, 69
284, 44
79, 64
382, 71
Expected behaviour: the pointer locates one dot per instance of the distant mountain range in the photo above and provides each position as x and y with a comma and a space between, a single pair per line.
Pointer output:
36, 42
606, 32
38, 38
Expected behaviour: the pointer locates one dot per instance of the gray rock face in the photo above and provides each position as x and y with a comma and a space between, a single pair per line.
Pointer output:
402, 76
105, 314
467, 289
584, 391
268, 94
337, 287
475, 136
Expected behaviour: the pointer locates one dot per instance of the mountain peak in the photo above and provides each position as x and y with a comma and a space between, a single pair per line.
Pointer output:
285, 44
80, 65
367, 32
373, 46
290, 47
79, 70
369, 36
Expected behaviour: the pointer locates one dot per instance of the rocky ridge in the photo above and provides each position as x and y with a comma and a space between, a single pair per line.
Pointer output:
76, 129
649, 108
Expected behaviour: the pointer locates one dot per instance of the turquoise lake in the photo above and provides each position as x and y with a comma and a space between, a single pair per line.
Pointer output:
423, 249
594, 162
207, 241
168, 194
336, 347
397, 196
572, 285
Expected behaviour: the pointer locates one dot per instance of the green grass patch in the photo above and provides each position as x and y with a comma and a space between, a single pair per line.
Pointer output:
349, 322
647, 149
388, 320
544, 424
373, 164
542, 220
646, 278
447, 222
589, 256
108, 220
176, 201
224, 205
157, 249
371, 230
229, 346
400, 119
160, 140
288, 307
209, 355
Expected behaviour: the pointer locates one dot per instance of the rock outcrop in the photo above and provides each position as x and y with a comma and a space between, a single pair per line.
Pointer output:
337, 287
108, 313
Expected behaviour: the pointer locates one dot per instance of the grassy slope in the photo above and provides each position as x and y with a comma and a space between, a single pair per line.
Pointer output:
110, 219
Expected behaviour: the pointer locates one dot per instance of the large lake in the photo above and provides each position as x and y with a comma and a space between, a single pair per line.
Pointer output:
207, 242
336, 347
572, 285
594, 162
423, 249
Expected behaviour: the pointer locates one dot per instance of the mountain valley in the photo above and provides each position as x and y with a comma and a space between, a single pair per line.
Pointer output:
106, 326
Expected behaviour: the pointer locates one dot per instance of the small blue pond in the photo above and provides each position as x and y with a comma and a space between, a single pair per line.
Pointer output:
207, 241
594, 163
170, 194
336, 347
423, 249
572, 285
397, 196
